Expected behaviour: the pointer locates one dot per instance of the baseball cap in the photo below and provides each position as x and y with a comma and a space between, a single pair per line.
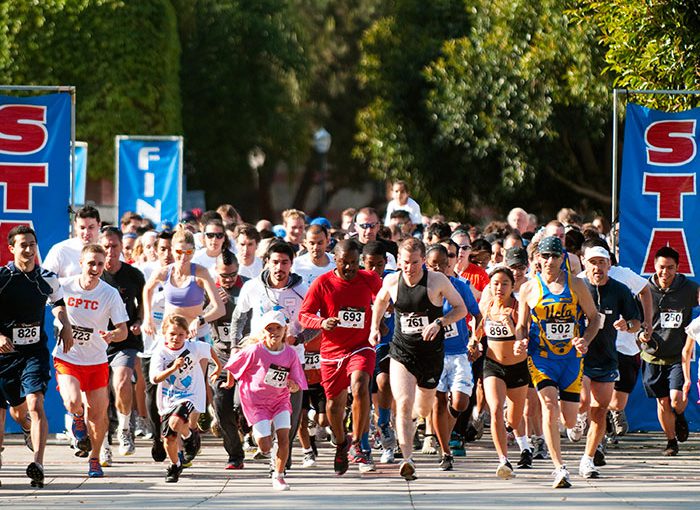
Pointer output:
516, 256
279, 231
273, 317
551, 245
596, 251
321, 221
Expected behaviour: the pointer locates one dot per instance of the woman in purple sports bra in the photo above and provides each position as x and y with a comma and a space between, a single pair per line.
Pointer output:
184, 286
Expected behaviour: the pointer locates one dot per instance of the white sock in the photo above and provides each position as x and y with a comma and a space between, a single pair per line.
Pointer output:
124, 421
105, 443
586, 457
503, 459
523, 443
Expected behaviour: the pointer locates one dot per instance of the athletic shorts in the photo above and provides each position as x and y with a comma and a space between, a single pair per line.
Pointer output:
659, 380
335, 375
90, 377
314, 398
456, 375
125, 358
263, 428
629, 370
515, 376
602, 375
424, 363
382, 363
182, 411
563, 373
22, 374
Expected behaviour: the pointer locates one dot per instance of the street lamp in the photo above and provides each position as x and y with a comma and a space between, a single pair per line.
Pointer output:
322, 144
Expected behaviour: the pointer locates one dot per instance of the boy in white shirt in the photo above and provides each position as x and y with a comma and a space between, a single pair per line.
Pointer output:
401, 200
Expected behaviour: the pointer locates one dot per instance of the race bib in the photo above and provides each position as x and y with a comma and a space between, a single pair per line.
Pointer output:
223, 332
560, 330
276, 376
671, 319
414, 324
352, 318
495, 329
312, 361
26, 334
451, 331
81, 335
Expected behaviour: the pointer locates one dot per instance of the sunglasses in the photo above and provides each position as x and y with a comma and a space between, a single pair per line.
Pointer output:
184, 252
110, 229
452, 255
465, 247
547, 256
212, 235
518, 267
366, 226
228, 275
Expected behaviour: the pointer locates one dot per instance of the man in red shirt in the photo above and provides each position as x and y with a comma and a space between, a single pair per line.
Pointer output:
339, 303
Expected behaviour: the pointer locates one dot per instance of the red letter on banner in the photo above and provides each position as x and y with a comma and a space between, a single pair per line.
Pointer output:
18, 179
670, 142
23, 129
669, 189
5, 227
675, 238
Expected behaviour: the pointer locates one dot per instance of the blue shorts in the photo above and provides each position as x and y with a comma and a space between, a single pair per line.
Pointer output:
659, 380
602, 375
563, 373
22, 374
125, 358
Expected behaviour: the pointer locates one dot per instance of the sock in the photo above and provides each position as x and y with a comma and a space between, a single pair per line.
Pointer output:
475, 413
124, 420
384, 417
364, 442
586, 457
503, 459
523, 443
105, 443
308, 450
277, 474
189, 434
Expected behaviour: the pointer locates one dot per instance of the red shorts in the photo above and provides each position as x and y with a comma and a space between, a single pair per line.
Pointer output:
335, 376
90, 377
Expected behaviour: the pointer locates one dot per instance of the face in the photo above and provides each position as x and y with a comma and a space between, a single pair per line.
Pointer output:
410, 262
347, 264
164, 252
149, 248
399, 193
113, 246
375, 263
666, 269
24, 248
367, 226
214, 238
87, 230
226, 274
273, 334
246, 248
599, 225
451, 257
553, 230
295, 230
550, 264
131, 227
346, 222
521, 222
92, 266
316, 244
519, 271
175, 337
280, 265
501, 286
481, 258
182, 252
128, 248
597, 269
496, 254
436, 261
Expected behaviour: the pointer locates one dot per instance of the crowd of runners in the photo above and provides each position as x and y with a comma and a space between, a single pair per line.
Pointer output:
382, 337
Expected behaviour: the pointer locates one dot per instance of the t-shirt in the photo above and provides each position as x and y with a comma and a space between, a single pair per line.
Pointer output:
310, 271
457, 333
411, 207
477, 276
350, 301
263, 375
23, 297
89, 312
252, 270
186, 384
129, 282
206, 261
64, 258
157, 312
221, 327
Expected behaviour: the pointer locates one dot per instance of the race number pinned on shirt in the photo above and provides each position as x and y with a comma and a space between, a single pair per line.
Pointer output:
671, 319
559, 330
223, 332
276, 376
350, 317
81, 335
414, 323
312, 361
450, 330
496, 329
25, 334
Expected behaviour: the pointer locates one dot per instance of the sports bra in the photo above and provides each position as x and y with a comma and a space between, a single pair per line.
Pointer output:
189, 295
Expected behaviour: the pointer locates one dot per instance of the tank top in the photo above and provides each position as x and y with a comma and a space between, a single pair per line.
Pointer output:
189, 295
556, 319
413, 311
497, 330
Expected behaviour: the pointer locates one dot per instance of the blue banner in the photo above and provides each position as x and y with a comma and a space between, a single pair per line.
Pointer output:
80, 174
149, 177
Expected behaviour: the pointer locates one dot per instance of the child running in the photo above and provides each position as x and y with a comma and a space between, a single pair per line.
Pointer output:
268, 370
176, 369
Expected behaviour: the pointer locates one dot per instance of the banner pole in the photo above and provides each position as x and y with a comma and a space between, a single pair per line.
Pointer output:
613, 215
72, 150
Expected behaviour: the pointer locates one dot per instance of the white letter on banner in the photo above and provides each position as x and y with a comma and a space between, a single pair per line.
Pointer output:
145, 156
147, 210
149, 184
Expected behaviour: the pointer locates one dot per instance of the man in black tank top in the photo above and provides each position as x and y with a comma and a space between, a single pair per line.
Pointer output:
417, 347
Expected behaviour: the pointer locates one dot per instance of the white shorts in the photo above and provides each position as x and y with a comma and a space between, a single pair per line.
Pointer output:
456, 375
263, 428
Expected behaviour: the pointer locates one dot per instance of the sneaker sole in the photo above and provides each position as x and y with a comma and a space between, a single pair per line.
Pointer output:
408, 472
504, 473
588, 476
562, 484
36, 474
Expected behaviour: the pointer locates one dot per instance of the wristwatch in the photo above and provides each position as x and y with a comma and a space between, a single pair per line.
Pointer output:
438, 321
629, 325
202, 322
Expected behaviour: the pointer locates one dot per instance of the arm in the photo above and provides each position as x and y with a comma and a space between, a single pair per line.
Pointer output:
66, 333
309, 313
446, 291
522, 328
158, 276
116, 335
686, 357
240, 317
589, 309
215, 374
647, 307
162, 376
380, 305
138, 321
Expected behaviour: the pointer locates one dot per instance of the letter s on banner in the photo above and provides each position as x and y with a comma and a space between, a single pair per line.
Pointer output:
670, 142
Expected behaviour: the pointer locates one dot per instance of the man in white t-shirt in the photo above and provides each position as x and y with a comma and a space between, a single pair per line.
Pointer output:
64, 257
91, 303
315, 261
247, 240
401, 200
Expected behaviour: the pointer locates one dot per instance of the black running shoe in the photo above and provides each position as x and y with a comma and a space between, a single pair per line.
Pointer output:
681, 428
446, 463
36, 473
158, 451
192, 445
172, 475
599, 455
671, 449
525, 461
341, 462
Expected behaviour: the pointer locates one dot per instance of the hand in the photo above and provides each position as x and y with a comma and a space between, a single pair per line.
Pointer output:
214, 376
686, 389
135, 328
6, 345
149, 327
473, 351
330, 323
580, 344
291, 340
374, 337
223, 295
620, 324
179, 361
293, 386
431, 332
194, 328
228, 383
107, 336
65, 337
520, 346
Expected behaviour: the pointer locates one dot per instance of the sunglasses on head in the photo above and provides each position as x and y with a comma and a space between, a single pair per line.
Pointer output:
212, 235
184, 252
366, 225
110, 229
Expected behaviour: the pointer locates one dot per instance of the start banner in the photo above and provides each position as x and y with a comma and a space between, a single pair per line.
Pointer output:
35, 137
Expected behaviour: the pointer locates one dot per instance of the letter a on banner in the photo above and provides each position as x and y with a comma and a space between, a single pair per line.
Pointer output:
149, 176
659, 203
35, 167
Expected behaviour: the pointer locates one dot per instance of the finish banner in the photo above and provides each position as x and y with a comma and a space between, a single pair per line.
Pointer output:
35, 167
149, 176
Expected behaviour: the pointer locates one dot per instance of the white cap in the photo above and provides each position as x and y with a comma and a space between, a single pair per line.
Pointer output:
596, 251
273, 317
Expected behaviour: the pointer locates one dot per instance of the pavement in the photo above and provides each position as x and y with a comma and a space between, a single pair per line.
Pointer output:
636, 476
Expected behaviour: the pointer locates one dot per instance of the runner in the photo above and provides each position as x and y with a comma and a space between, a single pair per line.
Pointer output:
63, 258
554, 302
247, 240
417, 351
367, 226
315, 261
82, 373
339, 303
215, 242
24, 356
294, 223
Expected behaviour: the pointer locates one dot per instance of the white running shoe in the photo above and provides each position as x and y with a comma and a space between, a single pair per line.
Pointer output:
106, 456
279, 484
309, 460
367, 467
429, 445
561, 478
407, 470
126, 443
587, 469
387, 456
575, 434
505, 471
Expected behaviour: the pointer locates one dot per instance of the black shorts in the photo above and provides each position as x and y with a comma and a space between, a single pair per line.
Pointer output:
314, 398
629, 370
515, 376
424, 361
22, 374
659, 380
182, 411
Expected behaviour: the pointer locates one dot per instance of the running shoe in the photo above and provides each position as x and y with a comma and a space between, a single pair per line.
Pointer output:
279, 484
505, 471
355, 453
215, 428
36, 473
387, 436
261, 455
587, 469
671, 449
204, 421
561, 478
309, 459
599, 455
142, 428
184, 463
106, 456
407, 470
479, 424
540, 449
459, 450
249, 443
126, 443
192, 445
525, 461
429, 445
446, 462
387, 456
681, 427
80, 433
575, 434
455, 440
172, 475
28, 439
619, 422
234, 465
340, 462
94, 468
158, 451
367, 466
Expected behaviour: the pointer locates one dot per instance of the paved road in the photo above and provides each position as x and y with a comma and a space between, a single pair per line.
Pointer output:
636, 476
